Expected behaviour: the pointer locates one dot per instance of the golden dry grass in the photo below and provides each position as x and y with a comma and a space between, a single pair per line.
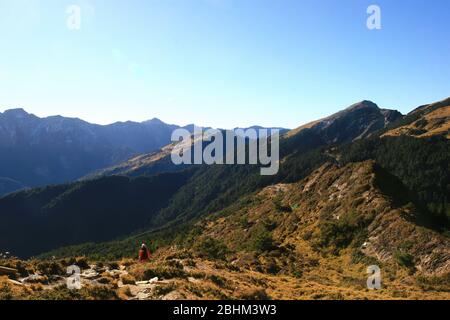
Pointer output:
436, 122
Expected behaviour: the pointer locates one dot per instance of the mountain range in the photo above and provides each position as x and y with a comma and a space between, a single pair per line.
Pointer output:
364, 185
89, 202
41, 151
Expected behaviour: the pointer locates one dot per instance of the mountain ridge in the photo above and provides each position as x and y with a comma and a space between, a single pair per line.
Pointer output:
424, 121
206, 189
149, 163
56, 149
380, 117
214, 193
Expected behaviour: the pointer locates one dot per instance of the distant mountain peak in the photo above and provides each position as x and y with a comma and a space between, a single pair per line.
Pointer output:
357, 121
365, 104
154, 121
17, 112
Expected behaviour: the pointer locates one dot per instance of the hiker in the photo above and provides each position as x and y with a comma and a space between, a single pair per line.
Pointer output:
144, 253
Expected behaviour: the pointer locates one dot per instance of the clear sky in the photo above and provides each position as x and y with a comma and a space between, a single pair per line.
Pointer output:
221, 63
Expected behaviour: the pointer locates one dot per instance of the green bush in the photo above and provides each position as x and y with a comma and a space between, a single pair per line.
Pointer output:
50, 268
100, 293
279, 206
211, 248
163, 290
219, 281
404, 259
261, 240
244, 223
5, 292
254, 294
61, 292
341, 233
175, 264
269, 224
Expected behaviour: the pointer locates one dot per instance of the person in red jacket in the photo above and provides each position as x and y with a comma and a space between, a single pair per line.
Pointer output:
144, 253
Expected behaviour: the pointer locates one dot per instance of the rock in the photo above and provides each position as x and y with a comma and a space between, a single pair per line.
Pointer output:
143, 296
193, 280
35, 278
115, 273
90, 275
7, 271
174, 295
17, 283
153, 280
99, 269
55, 278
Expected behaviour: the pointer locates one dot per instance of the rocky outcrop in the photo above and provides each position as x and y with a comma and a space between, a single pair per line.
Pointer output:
358, 121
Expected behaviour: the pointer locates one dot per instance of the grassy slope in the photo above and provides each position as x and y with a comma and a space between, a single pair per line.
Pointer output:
301, 241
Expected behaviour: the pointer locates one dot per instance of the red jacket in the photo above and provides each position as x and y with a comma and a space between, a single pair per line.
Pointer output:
144, 254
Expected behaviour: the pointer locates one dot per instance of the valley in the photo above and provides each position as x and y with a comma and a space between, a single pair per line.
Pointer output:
356, 189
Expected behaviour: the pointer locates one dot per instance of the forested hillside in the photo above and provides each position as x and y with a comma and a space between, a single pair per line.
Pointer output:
173, 201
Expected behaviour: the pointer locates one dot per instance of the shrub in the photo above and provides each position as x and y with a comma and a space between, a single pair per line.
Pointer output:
232, 267
99, 293
104, 280
244, 223
125, 293
438, 283
211, 248
271, 267
269, 224
341, 233
219, 281
307, 235
261, 240
128, 279
61, 292
197, 275
297, 273
278, 204
175, 264
163, 290
124, 262
404, 259
5, 292
113, 266
50, 268
190, 263
58, 293
254, 294
358, 257
82, 262
165, 272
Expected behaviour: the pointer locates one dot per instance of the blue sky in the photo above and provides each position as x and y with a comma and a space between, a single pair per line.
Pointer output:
221, 63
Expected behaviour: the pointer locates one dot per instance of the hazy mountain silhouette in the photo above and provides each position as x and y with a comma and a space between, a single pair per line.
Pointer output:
39, 151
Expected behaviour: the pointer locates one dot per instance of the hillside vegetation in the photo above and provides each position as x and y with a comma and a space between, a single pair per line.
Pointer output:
347, 196
313, 239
